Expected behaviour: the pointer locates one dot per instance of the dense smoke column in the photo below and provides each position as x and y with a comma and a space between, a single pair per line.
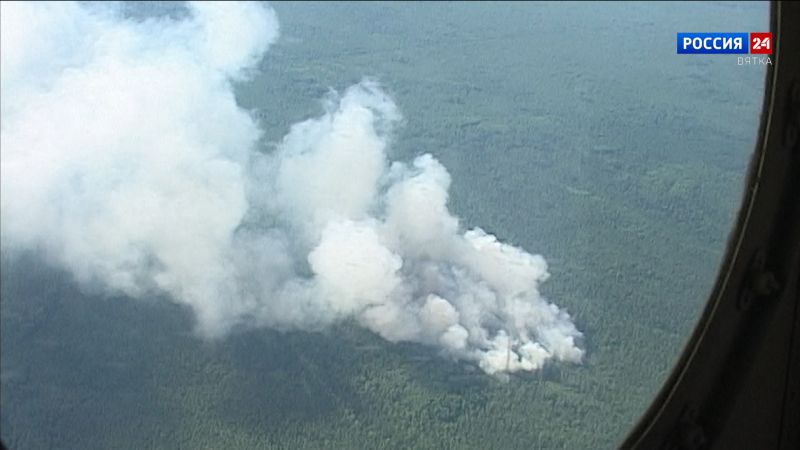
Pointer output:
127, 161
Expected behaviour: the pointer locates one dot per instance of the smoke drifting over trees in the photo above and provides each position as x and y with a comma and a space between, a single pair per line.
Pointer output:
127, 161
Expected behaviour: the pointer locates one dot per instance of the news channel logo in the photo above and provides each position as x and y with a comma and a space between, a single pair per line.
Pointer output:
757, 45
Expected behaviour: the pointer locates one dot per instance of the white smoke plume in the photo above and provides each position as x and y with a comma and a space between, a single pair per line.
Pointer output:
126, 160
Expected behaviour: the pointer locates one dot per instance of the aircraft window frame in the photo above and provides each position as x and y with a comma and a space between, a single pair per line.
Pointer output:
751, 277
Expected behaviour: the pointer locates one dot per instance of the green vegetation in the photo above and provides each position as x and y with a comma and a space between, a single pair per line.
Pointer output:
619, 161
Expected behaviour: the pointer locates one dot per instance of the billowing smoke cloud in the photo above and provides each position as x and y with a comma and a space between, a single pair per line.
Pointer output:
126, 159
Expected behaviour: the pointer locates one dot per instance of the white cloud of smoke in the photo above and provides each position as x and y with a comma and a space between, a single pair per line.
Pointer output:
126, 159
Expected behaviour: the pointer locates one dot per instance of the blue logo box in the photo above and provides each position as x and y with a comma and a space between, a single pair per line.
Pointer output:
713, 43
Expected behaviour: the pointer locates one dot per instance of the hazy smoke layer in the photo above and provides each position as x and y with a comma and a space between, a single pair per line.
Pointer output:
126, 160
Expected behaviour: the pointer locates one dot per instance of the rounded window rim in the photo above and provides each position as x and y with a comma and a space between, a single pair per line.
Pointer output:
667, 407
